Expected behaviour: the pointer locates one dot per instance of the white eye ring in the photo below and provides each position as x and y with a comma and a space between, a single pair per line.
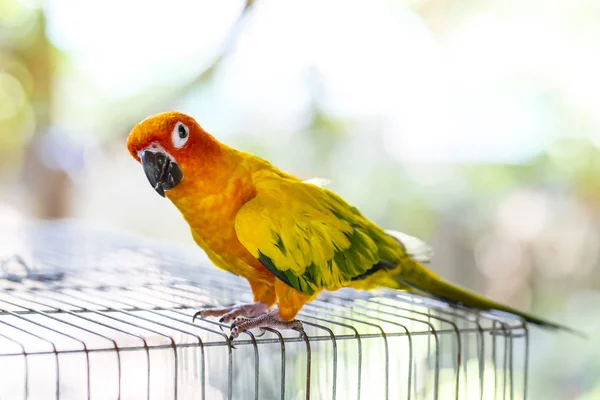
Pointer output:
180, 135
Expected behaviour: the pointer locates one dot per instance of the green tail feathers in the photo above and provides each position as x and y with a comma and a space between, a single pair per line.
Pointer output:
432, 286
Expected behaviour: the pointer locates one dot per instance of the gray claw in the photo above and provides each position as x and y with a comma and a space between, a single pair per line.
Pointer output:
262, 333
198, 314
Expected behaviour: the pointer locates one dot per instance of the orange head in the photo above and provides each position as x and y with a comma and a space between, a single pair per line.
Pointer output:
171, 146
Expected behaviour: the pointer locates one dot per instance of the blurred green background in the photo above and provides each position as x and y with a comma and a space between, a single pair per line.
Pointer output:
474, 125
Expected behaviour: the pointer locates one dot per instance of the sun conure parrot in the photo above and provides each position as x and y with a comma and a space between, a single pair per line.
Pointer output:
289, 238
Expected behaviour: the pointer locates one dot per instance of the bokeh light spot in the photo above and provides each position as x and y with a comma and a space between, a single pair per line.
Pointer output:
12, 96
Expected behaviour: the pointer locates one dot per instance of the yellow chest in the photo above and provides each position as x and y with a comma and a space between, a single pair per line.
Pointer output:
212, 223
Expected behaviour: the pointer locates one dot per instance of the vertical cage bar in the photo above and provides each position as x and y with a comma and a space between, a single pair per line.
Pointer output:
54, 351
25, 362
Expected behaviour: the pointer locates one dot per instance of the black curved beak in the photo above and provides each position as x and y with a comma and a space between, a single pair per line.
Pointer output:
162, 173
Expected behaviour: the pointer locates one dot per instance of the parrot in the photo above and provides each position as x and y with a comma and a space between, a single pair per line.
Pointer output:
290, 238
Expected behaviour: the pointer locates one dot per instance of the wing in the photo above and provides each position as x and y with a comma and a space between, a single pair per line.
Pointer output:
307, 236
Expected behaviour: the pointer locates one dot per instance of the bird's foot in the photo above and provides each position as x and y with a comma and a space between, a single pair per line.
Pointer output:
229, 313
268, 320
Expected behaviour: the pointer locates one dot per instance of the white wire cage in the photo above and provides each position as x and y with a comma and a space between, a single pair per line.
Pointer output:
87, 313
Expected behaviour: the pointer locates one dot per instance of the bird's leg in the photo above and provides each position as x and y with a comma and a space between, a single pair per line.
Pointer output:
290, 301
264, 299
271, 319
228, 313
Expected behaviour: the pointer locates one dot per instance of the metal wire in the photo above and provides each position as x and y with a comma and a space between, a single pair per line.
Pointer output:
114, 314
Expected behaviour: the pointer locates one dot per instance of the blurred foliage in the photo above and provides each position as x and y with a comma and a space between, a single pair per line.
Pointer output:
476, 129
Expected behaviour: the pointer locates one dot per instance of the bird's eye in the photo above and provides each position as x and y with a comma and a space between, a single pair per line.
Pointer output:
182, 131
180, 135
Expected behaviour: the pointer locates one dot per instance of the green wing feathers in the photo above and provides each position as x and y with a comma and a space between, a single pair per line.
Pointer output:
307, 236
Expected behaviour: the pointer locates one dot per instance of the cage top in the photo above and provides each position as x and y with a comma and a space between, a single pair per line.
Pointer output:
69, 267
68, 288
